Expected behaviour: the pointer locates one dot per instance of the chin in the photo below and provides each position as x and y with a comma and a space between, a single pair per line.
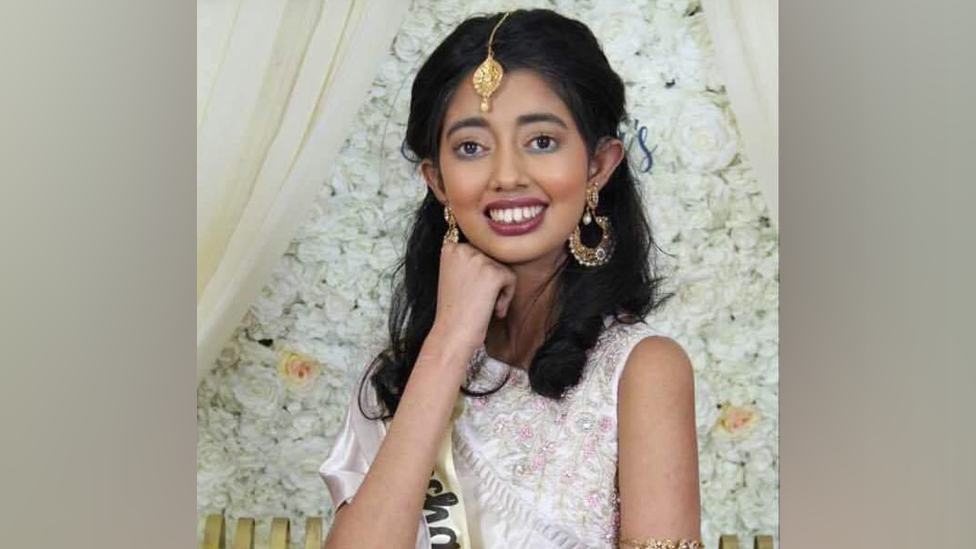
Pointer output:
514, 253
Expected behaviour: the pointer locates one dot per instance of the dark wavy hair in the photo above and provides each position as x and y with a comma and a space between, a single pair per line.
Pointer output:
569, 58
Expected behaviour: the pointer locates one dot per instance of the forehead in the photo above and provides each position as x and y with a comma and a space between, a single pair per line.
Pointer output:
521, 91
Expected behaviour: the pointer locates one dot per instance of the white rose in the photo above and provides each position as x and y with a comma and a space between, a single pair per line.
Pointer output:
573, 8
697, 187
271, 301
759, 204
358, 251
760, 470
742, 212
340, 277
390, 72
334, 414
717, 252
309, 322
256, 448
708, 529
215, 468
384, 254
261, 497
770, 295
253, 352
679, 7
696, 217
703, 137
402, 188
685, 65
258, 390
449, 13
745, 237
300, 463
768, 331
741, 179
721, 209
360, 216
409, 43
313, 285
367, 278
358, 327
768, 267
221, 424
706, 406
741, 371
728, 476
698, 299
318, 247
336, 307
666, 214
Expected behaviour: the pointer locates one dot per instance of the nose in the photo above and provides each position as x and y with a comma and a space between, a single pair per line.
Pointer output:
508, 169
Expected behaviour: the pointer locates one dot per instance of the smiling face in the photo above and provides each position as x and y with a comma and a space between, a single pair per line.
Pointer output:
516, 176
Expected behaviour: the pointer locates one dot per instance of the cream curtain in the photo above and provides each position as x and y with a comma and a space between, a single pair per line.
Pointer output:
746, 38
279, 83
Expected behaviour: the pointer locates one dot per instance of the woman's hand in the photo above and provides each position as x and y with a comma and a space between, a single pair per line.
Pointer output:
471, 288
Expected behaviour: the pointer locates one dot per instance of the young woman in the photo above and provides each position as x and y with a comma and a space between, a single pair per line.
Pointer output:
522, 401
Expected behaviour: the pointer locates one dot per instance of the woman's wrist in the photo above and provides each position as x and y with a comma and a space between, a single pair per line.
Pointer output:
443, 347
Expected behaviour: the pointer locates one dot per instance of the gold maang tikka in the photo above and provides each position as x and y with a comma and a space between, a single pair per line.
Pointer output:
489, 74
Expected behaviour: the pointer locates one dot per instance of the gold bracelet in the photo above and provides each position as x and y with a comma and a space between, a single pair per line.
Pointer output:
651, 543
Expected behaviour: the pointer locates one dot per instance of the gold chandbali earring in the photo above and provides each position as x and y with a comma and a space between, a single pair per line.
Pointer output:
452, 229
592, 257
489, 74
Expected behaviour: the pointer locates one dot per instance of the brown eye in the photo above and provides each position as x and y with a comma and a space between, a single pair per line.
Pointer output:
543, 143
468, 148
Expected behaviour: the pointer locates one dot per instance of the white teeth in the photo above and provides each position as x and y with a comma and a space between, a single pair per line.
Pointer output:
515, 215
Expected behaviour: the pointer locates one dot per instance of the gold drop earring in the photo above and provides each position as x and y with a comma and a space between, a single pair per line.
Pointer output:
452, 229
599, 255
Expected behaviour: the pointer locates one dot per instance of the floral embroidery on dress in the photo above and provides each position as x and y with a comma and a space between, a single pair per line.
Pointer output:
558, 459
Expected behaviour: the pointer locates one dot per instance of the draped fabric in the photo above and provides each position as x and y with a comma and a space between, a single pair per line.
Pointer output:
746, 38
279, 83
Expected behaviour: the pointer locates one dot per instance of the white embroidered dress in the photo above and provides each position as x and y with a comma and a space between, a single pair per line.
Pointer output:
535, 473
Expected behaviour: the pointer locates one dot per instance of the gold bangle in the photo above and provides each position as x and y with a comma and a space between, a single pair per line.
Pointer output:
651, 543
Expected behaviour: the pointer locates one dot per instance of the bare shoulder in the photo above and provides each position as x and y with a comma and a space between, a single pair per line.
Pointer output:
657, 363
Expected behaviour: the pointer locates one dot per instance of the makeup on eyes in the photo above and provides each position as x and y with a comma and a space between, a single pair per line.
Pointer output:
553, 143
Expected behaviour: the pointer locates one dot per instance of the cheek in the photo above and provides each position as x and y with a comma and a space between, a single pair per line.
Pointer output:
563, 182
563, 174
465, 181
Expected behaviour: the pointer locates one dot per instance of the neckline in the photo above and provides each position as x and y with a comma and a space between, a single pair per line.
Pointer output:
482, 363
489, 358
518, 372
486, 372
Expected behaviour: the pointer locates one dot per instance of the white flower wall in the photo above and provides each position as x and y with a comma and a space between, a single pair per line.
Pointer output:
268, 412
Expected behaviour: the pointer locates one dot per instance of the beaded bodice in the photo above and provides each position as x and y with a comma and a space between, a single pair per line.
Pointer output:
547, 469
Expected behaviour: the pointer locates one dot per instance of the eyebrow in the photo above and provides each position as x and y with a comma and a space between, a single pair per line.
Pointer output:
480, 122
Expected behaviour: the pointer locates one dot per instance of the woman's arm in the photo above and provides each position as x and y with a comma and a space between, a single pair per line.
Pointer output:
658, 448
389, 503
